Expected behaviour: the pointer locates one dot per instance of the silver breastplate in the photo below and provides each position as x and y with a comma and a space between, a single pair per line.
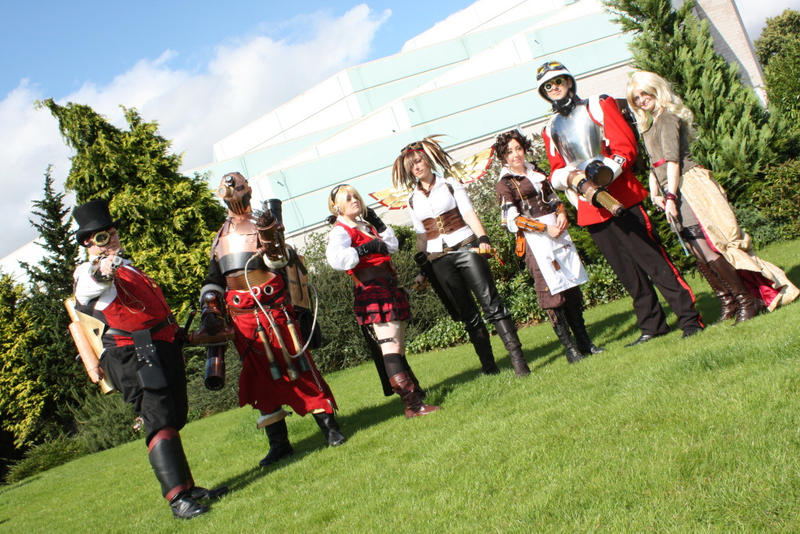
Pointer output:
577, 137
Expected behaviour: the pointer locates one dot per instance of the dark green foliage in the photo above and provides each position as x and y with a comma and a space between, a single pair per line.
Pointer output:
167, 220
778, 200
202, 401
736, 138
103, 421
782, 77
778, 32
45, 456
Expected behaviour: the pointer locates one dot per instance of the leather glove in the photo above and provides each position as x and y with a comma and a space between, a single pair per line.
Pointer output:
376, 246
372, 218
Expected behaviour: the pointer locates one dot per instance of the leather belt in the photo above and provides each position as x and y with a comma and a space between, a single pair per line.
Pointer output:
446, 223
163, 324
256, 278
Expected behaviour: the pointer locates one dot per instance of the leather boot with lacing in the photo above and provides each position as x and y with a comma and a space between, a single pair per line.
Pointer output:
720, 289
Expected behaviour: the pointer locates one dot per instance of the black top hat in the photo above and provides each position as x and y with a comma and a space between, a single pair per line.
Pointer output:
92, 217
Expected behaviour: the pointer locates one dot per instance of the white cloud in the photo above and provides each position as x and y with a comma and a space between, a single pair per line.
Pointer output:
245, 79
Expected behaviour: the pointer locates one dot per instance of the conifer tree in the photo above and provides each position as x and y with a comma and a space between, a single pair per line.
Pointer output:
167, 220
736, 137
778, 49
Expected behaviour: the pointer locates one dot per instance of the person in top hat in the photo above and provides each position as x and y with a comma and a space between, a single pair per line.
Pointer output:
590, 141
142, 357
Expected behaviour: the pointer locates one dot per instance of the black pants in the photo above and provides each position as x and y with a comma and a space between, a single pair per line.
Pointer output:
463, 273
159, 408
634, 251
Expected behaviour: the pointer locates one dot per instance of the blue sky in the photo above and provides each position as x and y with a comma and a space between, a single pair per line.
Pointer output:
201, 69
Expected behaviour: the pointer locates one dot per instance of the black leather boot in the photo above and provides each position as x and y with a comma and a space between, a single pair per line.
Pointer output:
720, 289
407, 391
573, 311
483, 348
172, 471
508, 334
330, 428
746, 306
279, 446
561, 327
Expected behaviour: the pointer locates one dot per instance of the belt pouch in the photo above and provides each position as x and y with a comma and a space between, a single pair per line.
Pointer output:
149, 373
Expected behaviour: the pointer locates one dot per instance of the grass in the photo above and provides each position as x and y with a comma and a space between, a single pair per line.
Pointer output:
697, 434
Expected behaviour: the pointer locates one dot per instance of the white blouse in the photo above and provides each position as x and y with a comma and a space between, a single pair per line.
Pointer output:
434, 204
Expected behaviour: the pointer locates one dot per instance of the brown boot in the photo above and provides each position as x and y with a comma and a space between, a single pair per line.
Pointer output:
721, 290
746, 307
407, 390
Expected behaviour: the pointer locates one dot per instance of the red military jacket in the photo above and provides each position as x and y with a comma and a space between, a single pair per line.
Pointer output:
619, 149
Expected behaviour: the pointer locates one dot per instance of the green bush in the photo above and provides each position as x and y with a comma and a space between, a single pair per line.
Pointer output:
202, 401
45, 456
103, 421
778, 200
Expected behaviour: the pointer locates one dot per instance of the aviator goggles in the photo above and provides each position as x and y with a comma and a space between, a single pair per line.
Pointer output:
102, 237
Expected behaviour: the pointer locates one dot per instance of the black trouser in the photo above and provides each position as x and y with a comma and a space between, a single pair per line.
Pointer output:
159, 408
463, 273
634, 251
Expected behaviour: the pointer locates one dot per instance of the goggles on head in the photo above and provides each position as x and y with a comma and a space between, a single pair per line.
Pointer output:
549, 66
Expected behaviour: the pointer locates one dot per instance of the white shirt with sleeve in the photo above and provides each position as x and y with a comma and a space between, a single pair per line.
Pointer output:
438, 201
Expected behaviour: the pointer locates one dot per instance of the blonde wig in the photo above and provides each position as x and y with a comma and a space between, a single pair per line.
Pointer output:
665, 99
338, 198
430, 149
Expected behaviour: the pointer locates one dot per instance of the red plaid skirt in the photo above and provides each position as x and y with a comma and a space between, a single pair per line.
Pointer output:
379, 301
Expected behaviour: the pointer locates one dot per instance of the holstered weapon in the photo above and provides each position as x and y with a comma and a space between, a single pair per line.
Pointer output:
291, 372
86, 332
297, 341
530, 225
594, 193
426, 268
274, 370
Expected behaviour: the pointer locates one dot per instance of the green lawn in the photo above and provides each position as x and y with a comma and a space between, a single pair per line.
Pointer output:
697, 434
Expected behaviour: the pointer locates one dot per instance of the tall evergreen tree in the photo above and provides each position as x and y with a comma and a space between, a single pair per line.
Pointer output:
736, 137
167, 220
40, 372
778, 49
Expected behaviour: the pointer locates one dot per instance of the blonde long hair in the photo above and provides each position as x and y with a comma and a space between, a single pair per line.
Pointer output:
665, 98
430, 150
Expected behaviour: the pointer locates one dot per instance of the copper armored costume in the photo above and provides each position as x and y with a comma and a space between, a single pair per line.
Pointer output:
248, 269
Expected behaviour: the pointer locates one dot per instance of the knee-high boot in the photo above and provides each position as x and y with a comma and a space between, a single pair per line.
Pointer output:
508, 334
410, 372
407, 391
561, 328
483, 348
573, 311
330, 428
746, 307
279, 446
720, 289
165, 452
